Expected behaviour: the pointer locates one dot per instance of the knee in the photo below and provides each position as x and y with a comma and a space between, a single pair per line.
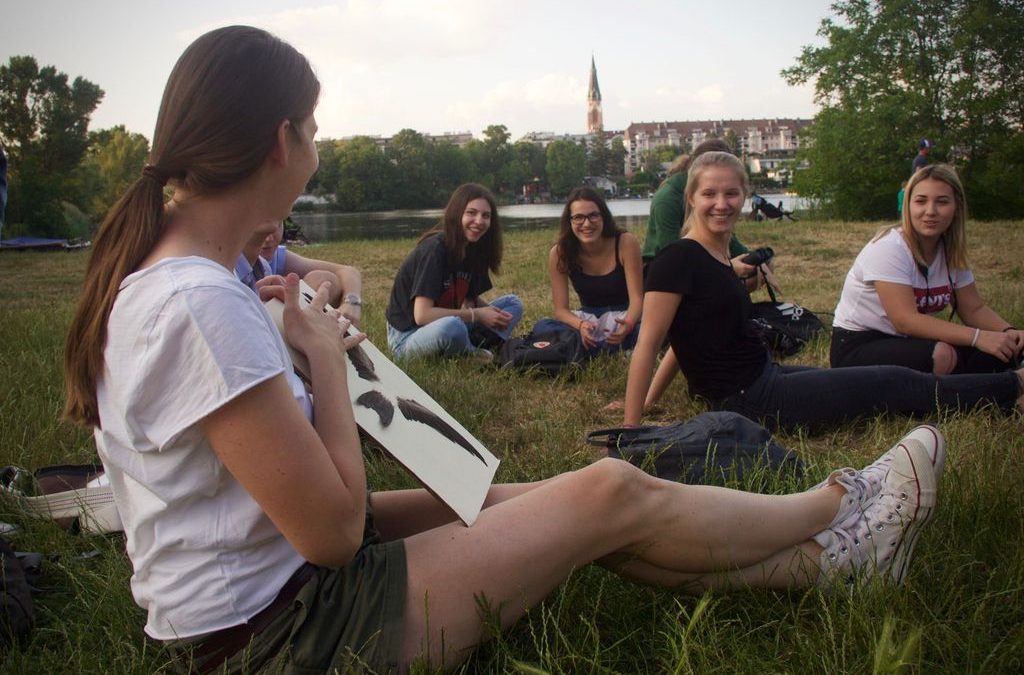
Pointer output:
943, 358
614, 484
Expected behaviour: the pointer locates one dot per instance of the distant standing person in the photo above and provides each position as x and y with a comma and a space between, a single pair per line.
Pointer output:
888, 313
435, 299
921, 159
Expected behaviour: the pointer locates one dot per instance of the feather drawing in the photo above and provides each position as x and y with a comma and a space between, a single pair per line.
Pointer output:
378, 403
417, 412
362, 363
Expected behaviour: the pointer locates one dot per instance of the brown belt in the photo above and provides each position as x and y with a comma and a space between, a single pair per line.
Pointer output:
215, 648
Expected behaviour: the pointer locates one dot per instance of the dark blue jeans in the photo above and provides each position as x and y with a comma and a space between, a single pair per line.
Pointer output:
791, 396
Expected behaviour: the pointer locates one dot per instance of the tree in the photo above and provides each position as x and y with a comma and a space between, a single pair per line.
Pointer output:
597, 156
449, 167
365, 176
566, 166
896, 71
617, 157
43, 126
408, 153
114, 161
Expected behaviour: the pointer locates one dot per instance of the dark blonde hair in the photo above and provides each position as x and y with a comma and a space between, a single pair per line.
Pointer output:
954, 239
481, 255
704, 162
223, 103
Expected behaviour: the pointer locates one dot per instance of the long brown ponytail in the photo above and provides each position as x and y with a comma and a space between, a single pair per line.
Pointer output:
221, 108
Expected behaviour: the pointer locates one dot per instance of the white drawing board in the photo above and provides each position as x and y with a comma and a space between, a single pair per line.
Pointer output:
410, 425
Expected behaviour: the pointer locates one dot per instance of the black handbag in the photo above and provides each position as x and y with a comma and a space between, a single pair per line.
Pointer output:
785, 327
710, 449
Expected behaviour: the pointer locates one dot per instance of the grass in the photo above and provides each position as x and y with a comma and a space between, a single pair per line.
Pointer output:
961, 609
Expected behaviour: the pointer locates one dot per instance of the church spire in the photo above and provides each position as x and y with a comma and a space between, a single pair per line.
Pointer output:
595, 120
594, 92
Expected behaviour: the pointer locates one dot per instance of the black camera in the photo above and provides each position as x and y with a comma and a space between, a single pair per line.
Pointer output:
758, 256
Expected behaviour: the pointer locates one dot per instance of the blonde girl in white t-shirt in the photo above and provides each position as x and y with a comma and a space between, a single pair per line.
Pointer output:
889, 310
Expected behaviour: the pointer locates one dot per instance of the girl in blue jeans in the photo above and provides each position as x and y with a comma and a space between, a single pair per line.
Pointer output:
436, 295
694, 297
602, 262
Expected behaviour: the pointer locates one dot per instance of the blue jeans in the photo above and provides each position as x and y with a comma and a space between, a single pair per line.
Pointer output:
791, 396
449, 335
548, 325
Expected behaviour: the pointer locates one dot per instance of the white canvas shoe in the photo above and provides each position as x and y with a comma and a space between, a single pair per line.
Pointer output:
879, 541
867, 482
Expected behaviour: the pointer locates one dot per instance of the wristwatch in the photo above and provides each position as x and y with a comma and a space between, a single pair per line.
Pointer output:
352, 299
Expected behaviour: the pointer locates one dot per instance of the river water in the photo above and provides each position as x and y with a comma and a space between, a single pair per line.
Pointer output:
319, 227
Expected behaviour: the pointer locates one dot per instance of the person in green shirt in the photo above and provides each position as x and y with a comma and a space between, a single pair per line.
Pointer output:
668, 207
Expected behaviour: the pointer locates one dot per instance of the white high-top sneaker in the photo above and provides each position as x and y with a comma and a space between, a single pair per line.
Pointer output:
879, 540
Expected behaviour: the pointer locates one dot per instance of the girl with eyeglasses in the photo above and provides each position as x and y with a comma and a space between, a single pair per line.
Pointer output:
695, 298
602, 262
906, 276
435, 299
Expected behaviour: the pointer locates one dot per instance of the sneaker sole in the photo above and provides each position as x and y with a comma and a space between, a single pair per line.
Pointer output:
921, 471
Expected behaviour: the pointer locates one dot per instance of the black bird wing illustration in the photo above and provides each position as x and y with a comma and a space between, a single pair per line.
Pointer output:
362, 363
378, 403
417, 412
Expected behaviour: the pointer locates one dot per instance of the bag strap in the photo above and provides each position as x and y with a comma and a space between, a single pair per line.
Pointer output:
604, 438
768, 286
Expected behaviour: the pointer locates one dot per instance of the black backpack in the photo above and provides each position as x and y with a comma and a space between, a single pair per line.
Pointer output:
16, 612
707, 449
548, 353
785, 327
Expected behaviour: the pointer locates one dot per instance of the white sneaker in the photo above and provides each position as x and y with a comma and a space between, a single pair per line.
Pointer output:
866, 483
880, 540
482, 356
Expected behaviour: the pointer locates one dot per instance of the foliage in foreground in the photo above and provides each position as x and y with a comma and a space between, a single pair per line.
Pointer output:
960, 610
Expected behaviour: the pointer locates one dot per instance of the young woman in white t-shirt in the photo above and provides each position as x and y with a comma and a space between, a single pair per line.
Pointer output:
253, 540
888, 313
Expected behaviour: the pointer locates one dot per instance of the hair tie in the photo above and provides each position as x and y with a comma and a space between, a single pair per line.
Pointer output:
151, 171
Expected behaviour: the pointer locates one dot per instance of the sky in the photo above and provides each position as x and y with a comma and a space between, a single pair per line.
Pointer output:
450, 65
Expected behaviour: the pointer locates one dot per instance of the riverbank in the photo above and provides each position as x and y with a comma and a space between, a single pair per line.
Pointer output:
960, 609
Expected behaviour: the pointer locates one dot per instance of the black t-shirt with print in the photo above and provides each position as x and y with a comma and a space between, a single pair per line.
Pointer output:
718, 349
426, 272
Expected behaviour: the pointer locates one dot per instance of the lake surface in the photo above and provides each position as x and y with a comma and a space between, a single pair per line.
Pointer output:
319, 227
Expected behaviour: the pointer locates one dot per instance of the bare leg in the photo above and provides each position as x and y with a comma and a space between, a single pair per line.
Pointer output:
524, 546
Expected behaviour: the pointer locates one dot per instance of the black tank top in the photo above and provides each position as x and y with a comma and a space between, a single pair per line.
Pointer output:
606, 290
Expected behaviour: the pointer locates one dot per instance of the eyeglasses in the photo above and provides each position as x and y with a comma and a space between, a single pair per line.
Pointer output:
578, 218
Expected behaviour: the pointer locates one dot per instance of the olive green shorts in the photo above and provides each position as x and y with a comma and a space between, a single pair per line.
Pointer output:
347, 620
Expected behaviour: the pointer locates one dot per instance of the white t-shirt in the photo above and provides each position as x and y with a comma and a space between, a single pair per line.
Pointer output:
184, 338
890, 259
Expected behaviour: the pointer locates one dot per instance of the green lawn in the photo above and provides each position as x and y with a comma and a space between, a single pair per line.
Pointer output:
960, 610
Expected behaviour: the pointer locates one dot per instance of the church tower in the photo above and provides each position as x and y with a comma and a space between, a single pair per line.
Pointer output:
595, 121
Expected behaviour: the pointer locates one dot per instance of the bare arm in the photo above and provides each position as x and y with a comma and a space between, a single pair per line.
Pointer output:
667, 371
345, 280
308, 479
901, 308
659, 309
629, 250
560, 300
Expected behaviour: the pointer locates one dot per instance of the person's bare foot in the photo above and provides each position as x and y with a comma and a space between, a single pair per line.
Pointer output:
615, 406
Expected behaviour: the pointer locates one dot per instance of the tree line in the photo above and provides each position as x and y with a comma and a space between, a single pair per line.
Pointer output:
414, 171
890, 73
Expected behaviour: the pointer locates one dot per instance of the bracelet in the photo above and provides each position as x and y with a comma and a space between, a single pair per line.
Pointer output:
974, 340
472, 315
1009, 328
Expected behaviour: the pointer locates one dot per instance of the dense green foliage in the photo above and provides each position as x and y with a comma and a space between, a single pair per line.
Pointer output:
43, 126
413, 171
960, 609
896, 71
